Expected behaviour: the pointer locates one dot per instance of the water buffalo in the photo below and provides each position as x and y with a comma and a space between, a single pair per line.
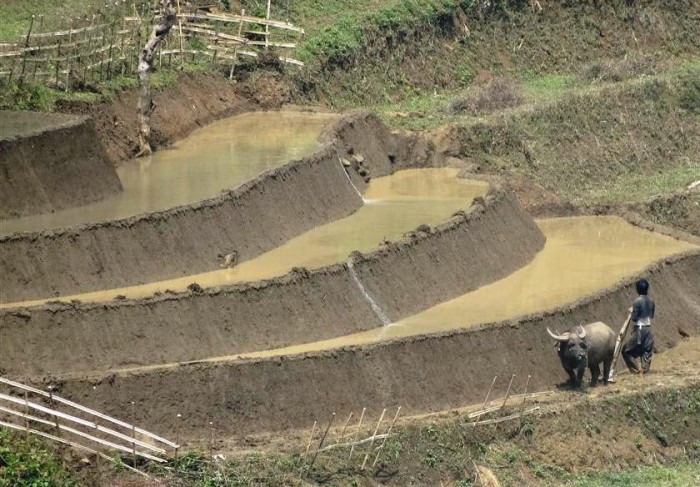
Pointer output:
586, 346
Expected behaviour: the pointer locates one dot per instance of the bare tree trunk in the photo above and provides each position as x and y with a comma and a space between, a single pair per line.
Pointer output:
145, 104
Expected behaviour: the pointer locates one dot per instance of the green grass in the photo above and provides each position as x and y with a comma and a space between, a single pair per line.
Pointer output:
16, 15
682, 475
31, 463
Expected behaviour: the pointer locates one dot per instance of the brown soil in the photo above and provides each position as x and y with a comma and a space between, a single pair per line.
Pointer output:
193, 101
405, 277
422, 374
40, 173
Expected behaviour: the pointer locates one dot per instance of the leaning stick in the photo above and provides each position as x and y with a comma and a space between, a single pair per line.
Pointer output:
371, 443
388, 432
342, 434
311, 438
522, 407
505, 399
359, 426
489, 392
618, 344
323, 438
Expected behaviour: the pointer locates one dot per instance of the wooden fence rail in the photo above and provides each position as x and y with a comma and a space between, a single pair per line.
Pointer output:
105, 48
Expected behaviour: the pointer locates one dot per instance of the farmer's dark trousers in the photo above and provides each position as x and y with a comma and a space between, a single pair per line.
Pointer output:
640, 344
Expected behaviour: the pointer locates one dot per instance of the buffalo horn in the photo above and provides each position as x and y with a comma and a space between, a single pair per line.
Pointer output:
561, 338
582, 333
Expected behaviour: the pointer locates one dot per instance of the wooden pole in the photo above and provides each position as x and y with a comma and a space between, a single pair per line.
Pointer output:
486, 399
235, 49
55, 418
357, 431
58, 61
267, 27
70, 42
388, 432
133, 431
505, 399
522, 406
323, 438
371, 443
211, 440
36, 65
179, 27
177, 435
26, 420
24, 51
618, 345
342, 433
489, 392
311, 438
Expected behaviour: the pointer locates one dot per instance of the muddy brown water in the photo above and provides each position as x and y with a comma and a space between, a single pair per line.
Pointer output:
221, 156
582, 255
393, 205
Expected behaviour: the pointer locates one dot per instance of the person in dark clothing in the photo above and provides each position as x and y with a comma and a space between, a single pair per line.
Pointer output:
641, 343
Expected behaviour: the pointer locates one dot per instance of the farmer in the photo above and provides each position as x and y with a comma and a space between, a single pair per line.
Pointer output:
641, 343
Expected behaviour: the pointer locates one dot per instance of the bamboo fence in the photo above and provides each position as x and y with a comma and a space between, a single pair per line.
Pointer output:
99, 49
42, 413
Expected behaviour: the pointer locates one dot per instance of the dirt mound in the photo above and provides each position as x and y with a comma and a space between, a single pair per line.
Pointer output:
425, 373
55, 162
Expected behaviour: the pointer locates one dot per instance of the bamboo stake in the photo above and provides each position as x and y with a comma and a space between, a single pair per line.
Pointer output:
323, 438
70, 41
26, 420
388, 432
311, 438
359, 426
133, 431
342, 433
371, 443
235, 49
55, 418
58, 61
522, 406
177, 435
505, 399
267, 26
489, 392
24, 52
486, 399
179, 26
211, 440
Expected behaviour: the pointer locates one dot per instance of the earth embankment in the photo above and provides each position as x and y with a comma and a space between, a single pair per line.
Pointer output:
425, 373
51, 162
249, 220
415, 273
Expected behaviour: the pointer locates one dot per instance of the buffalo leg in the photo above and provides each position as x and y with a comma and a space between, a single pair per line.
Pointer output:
607, 363
579, 375
572, 377
595, 372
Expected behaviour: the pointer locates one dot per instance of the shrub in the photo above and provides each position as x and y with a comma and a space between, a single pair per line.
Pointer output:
497, 94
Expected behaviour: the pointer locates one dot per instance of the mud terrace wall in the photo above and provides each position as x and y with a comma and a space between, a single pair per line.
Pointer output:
470, 250
251, 219
421, 374
57, 166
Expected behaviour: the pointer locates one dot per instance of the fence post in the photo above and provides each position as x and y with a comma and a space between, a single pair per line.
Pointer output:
24, 51
68, 56
179, 28
371, 443
58, 61
235, 49
267, 26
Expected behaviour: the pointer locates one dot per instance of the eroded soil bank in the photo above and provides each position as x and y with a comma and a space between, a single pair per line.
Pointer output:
49, 162
426, 373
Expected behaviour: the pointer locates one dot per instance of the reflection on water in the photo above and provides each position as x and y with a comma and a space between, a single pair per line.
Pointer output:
398, 203
582, 255
220, 156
